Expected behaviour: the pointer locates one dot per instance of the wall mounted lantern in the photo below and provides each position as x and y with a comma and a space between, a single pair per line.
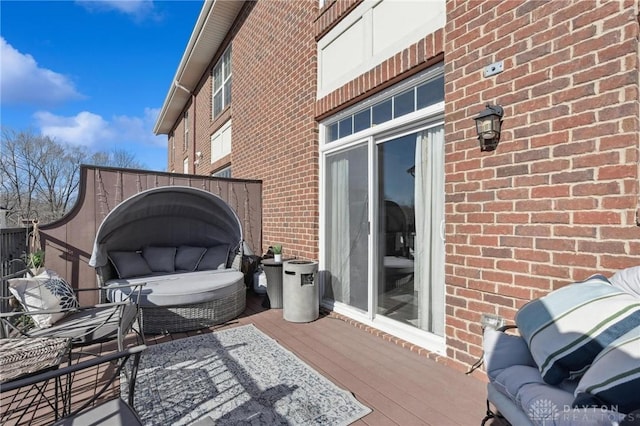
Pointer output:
488, 123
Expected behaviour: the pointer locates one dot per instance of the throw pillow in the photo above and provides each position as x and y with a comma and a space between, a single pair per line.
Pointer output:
566, 329
628, 280
129, 264
613, 379
215, 257
46, 291
187, 257
160, 259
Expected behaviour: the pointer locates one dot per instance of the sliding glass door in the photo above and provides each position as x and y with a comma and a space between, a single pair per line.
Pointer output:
410, 260
382, 214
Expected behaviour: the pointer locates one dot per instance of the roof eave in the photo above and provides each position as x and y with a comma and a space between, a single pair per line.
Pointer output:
213, 24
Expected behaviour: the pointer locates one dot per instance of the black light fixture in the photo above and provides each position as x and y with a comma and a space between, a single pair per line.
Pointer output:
488, 123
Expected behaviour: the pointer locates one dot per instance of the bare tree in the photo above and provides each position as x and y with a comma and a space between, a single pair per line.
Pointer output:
18, 174
39, 176
117, 157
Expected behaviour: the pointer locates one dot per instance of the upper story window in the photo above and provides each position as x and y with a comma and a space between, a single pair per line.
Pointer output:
185, 166
185, 143
222, 84
413, 95
172, 146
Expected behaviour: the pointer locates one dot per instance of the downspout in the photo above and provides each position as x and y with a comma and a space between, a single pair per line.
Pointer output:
193, 103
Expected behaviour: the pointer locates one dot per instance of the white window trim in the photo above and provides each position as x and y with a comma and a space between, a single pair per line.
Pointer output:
221, 64
430, 116
185, 144
220, 133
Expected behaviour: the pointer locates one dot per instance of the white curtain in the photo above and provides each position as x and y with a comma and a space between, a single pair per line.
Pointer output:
429, 239
339, 252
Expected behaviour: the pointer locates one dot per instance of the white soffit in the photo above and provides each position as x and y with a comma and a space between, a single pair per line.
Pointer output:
214, 22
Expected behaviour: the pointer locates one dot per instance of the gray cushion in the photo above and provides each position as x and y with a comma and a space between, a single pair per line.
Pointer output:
502, 350
160, 259
90, 325
214, 258
188, 257
129, 264
181, 289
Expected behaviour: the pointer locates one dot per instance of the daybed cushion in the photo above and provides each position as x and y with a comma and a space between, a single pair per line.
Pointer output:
613, 380
188, 257
180, 289
566, 329
129, 264
160, 259
628, 280
46, 291
215, 257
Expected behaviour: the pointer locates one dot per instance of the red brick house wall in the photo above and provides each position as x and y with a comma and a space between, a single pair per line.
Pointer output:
275, 136
558, 200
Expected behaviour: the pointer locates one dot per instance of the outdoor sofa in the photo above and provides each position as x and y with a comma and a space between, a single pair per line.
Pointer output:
186, 245
575, 359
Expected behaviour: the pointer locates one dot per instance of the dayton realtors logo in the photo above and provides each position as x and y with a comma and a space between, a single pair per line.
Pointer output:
543, 412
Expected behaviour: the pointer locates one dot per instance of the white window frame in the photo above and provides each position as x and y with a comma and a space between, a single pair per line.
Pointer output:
185, 166
432, 115
218, 138
223, 64
185, 144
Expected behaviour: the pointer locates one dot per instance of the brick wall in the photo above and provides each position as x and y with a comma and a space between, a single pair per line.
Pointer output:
558, 200
275, 136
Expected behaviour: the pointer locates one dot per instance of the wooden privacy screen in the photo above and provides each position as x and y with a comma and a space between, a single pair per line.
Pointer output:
68, 242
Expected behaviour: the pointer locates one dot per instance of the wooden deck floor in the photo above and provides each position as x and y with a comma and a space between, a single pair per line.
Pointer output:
400, 386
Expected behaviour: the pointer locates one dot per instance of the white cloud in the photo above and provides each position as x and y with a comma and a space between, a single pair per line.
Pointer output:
92, 130
138, 9
22, 81
85, 128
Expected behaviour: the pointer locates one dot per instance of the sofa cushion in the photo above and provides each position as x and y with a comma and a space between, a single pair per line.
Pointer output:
129, 264
45, 291
567, 328
613, 380
628, 280
215, 257
502, 350
188, 257
160, 259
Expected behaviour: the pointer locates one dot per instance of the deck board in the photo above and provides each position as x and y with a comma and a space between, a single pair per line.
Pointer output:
400, 386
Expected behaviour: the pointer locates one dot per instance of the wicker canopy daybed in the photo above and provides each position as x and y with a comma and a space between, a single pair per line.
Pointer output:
186, 245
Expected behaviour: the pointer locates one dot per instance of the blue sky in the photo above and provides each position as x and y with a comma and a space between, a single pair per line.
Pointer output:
92, 73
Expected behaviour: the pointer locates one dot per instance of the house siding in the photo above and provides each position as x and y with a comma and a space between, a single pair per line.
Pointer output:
556, 202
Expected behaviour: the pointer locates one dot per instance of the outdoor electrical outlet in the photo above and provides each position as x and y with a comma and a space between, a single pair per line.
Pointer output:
492, 321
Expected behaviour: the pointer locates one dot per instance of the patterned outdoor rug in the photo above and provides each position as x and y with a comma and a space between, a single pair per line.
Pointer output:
235, 376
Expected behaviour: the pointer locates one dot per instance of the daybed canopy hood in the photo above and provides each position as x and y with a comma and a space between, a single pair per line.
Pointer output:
167, 216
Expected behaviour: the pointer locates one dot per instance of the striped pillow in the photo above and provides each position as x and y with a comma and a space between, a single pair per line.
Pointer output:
566, 329
613, 379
